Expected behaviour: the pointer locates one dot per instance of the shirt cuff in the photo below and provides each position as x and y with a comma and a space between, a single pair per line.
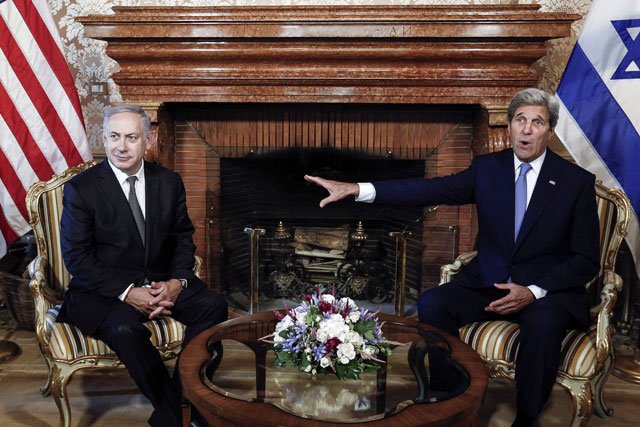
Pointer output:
367, 192
123, 295
537, 291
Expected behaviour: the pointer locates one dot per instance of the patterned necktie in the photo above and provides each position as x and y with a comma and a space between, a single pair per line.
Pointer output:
135, 206
521, 196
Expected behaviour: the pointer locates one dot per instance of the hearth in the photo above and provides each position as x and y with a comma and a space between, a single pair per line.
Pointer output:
344, 247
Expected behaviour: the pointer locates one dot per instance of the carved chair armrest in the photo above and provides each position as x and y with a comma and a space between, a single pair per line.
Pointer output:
43, 296
447, 271
612, 284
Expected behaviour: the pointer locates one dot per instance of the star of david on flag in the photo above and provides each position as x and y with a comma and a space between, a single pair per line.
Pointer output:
628, 31
599, 98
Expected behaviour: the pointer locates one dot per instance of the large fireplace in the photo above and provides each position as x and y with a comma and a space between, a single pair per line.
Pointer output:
247, 100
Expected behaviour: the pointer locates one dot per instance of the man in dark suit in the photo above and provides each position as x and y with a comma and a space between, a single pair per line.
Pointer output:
127, 241
532, 270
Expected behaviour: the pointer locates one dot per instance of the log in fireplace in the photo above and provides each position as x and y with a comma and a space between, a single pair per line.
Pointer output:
426, 84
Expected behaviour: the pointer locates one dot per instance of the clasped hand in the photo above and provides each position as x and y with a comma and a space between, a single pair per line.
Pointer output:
156, 300
517, 299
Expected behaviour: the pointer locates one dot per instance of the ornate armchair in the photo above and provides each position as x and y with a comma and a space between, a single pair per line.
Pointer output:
64, 348
587, 357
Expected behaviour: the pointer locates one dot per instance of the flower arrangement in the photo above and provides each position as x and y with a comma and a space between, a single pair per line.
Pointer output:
326, 334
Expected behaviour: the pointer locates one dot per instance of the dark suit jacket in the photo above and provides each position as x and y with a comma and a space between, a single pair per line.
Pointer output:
102, 248
558, 244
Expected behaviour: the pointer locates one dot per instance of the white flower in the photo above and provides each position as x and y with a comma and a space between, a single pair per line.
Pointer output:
325, 362
369, 351
348, 302
327, 298
322, 335
285, 323
354, 316
301, 314
307, 368
346, 352
355, 338
332, 327
277, 338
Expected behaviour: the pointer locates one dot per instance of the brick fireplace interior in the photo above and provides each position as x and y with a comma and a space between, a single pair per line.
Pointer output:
246, 100
250, 160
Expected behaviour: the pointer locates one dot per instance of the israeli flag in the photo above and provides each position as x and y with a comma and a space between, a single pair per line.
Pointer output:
599, 98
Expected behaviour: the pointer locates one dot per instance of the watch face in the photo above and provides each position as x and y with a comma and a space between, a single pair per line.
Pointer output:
184, 283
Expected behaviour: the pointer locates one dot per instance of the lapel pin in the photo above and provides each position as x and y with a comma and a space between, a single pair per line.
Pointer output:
552, 182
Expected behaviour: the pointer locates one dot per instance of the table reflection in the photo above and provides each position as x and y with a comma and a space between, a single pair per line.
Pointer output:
242, 367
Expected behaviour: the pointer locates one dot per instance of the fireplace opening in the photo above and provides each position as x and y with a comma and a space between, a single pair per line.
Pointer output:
345, 246
255, 156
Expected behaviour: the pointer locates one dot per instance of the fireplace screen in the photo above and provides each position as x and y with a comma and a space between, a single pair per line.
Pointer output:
297, 246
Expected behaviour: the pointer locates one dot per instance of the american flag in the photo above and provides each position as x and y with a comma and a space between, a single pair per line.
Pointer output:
41, 125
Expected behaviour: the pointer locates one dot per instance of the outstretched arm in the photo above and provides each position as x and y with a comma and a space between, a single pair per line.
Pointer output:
337, 190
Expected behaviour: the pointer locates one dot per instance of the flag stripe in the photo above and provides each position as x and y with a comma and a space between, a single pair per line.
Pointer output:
12, 223
13, 126
12, 183
41, 125
39, 97
35, 126
42, 35
602, 122
6, 232
61, 89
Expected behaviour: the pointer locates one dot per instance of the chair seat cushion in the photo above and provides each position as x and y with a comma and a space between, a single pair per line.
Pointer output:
68, 343
500, 340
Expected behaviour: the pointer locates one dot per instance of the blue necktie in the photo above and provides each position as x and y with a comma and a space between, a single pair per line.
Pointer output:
521, 197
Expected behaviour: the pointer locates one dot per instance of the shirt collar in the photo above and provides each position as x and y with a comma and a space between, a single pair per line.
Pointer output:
536, 165
122, 177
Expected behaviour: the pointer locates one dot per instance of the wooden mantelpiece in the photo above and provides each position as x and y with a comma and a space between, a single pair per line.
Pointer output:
374, 54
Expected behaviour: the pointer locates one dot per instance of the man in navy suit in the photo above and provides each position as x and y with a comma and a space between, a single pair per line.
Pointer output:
534, 273
129, 267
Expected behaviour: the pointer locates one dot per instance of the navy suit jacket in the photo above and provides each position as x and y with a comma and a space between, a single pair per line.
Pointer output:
558, 245
102, 248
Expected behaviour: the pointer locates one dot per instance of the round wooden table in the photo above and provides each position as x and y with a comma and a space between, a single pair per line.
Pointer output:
220, 408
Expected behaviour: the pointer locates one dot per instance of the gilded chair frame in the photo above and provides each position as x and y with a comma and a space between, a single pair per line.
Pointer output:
585, 390
48, 283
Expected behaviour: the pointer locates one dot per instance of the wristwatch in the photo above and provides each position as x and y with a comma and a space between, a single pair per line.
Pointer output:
183, 283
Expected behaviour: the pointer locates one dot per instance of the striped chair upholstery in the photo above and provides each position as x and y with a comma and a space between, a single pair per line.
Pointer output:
587, 356
64, 348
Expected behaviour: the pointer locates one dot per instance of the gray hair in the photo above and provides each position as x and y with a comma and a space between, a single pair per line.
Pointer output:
533, 96
126, 108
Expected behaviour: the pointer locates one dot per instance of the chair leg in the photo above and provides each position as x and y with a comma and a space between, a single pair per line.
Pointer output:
601, 408
60, 376
45, 390
582, 397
